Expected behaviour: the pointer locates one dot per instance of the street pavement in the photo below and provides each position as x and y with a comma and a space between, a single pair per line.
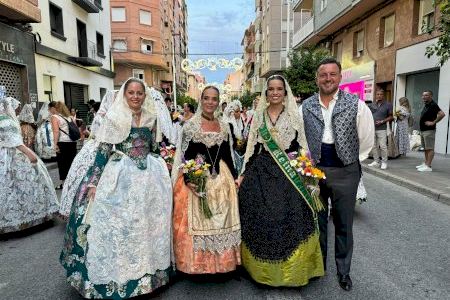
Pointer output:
402, 171
401, 252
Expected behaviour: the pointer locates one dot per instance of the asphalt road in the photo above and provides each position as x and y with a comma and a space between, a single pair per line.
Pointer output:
402, 242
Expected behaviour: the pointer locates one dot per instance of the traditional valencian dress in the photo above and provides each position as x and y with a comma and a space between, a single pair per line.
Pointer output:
280, 236
27, 195
118, 245
203, 245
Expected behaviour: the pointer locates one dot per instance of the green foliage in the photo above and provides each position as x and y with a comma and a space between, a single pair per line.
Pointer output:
181, 99
442, 47
248, 98
301, 75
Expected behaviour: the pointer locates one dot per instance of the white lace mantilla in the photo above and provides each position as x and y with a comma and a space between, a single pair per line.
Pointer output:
285, 133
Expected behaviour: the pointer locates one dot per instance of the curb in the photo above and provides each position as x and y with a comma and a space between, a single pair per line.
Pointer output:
412, 185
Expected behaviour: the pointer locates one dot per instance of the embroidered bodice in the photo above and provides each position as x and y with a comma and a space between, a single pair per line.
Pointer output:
136, 146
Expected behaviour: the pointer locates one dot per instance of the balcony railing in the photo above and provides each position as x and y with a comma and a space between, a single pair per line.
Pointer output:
303, 33
91, 6
88, 55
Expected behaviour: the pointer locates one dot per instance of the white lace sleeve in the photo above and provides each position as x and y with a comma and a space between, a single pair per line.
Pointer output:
10, 135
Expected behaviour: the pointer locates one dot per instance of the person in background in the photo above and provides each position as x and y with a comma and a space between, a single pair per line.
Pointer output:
28, 126
430, 116
382, 114
65, 148
403, 115
27, 196
44, 135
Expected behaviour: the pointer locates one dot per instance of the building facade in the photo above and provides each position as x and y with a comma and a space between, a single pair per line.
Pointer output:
17, 62
194, 83
277, 26
382, 44
73, 62
149, 40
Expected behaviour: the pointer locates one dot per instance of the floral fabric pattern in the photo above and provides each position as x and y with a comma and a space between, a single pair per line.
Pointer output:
119, 244
402, 133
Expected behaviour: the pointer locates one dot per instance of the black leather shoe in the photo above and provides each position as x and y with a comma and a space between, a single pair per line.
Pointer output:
345, 282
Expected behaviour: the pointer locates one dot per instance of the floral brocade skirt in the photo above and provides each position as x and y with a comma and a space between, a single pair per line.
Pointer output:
207, 246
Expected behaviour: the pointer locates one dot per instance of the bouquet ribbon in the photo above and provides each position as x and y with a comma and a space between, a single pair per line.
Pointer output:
283, 162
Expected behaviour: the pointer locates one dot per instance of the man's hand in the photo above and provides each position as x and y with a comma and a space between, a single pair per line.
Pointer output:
430, 123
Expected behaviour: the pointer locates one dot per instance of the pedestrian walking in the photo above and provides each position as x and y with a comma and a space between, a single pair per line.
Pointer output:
430, 116
118, 238
280, 237
27, 196
28, 126
382, 115
65, 147
340, 133
207, 230
44, 145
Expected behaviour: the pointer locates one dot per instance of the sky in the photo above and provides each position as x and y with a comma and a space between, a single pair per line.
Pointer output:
217, 26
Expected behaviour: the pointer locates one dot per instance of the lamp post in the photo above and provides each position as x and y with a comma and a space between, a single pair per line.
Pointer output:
174, 69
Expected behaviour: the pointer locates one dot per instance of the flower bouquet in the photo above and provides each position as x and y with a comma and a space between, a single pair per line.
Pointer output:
167, 153
196, 171
303, 164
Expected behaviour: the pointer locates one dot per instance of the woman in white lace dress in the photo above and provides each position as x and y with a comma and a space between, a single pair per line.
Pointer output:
44, 135
118, 238
84, 159
402, 131
27, 196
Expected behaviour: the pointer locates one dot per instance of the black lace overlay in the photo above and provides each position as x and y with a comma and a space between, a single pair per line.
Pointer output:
275, 219
224, 154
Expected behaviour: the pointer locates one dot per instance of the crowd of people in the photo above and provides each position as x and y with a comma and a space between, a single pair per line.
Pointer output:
252, 187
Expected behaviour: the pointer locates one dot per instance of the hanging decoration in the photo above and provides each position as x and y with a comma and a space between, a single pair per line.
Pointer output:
212, 64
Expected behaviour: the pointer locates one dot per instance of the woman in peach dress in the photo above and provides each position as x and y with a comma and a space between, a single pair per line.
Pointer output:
206, 244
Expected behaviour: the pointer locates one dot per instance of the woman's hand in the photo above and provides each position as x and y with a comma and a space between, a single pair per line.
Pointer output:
91, 193
57, 148
238, 181
193, 187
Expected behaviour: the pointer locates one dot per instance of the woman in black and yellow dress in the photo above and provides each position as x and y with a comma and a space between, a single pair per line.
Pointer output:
280, 237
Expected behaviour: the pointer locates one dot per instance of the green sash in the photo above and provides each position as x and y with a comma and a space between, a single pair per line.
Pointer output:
283, 162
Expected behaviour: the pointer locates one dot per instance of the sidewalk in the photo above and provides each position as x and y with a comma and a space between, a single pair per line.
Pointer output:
402, 171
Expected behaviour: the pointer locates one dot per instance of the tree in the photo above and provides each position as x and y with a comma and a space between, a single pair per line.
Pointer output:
181, 99
301, 75
442, 47
248, 98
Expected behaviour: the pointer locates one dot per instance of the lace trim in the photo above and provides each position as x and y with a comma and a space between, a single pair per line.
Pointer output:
217, 243
192, 131
286, 132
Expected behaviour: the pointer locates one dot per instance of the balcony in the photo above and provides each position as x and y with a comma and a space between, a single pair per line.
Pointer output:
90, 6
88, 55
303, 33
21, 11
303, 4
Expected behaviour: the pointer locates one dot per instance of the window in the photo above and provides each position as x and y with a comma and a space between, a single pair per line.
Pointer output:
337, 51
426, 16
48, 90
358, 43
323, 4
138, 73
102, 93
145, 17
56, 20
146, 46
118, 14
100, 45
387, 30
119, 45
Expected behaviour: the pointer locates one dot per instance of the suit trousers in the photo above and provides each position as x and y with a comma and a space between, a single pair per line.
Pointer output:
340, 186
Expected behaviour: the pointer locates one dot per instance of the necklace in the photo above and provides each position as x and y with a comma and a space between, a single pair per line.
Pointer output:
274, 130
213, 173
207, 118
